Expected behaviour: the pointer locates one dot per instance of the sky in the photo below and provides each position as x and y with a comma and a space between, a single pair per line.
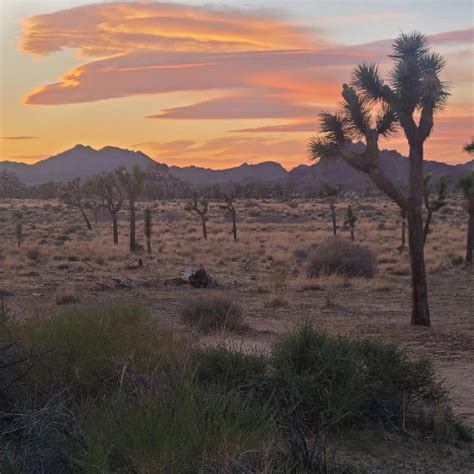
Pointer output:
211, 83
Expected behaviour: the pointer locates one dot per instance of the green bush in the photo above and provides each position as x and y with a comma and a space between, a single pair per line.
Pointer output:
211, 313
342, 257
93, 349
184, 428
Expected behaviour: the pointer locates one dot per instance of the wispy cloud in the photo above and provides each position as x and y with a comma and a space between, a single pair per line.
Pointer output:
19, 137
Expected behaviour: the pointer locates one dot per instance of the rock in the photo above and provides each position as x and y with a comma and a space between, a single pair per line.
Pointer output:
201, 279
178, 281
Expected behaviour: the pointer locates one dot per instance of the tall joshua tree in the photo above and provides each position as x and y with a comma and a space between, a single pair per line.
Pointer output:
132, 183
331, 193
74, 194
371, 109
200, 207
432, 205
107, 187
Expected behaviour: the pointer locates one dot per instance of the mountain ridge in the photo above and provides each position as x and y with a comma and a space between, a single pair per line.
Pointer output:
84, 161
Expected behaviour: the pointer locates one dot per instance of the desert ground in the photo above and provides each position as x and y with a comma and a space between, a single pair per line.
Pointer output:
60, 261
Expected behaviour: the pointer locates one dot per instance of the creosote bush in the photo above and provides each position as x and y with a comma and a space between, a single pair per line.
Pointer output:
209, 313
118, 393
340, 256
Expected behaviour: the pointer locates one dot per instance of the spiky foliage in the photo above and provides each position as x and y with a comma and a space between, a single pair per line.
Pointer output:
351, 217
469, 147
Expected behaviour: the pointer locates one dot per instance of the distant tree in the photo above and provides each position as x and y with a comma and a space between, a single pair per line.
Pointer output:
351, 220
107, 187
331, 193
74, 195
200, 207
19, 233
229, 206
148, 228
371, 109
432, 205
132, 183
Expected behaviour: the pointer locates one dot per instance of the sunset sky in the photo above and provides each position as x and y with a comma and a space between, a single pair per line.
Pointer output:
210, 83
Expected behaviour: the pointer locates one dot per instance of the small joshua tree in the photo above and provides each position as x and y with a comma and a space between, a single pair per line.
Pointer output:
132, 184
147, 228
331, 193
229, 206
351, 220
19, 233
74, 194
432, 205
200, 207
107, 187
467, 187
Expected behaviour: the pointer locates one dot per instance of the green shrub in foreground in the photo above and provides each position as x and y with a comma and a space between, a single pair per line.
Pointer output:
94, 349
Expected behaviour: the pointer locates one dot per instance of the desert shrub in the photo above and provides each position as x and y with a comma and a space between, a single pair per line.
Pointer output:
277, 302
341, 256
457, 260
185, 428
210, 313
33, 254
92, 349
224, 367
66, 297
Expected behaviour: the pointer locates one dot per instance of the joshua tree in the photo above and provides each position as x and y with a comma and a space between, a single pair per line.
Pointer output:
229, 200
74, 195
147, 228
372, 108
200, 207
106, 186
469, 147
19, 233
351, 220
331, 193
432, 205
132, 183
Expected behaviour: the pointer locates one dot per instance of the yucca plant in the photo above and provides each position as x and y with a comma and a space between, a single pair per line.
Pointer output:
372, 109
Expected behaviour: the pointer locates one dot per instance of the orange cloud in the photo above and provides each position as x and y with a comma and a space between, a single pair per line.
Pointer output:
19, 138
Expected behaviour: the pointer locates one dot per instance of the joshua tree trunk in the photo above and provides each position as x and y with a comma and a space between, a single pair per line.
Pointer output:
86, 219
234, 225
333, 217
404, 231
148, 245
132, 226
420, 310
470, 239
204, 227
115, 228
352, 233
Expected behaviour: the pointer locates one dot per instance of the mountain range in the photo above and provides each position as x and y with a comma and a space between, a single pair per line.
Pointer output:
84, 162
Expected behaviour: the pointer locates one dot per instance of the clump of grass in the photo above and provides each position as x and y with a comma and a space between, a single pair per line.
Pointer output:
277, 301
93, 349
33, 254
339, 256
209, 313
66, 297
